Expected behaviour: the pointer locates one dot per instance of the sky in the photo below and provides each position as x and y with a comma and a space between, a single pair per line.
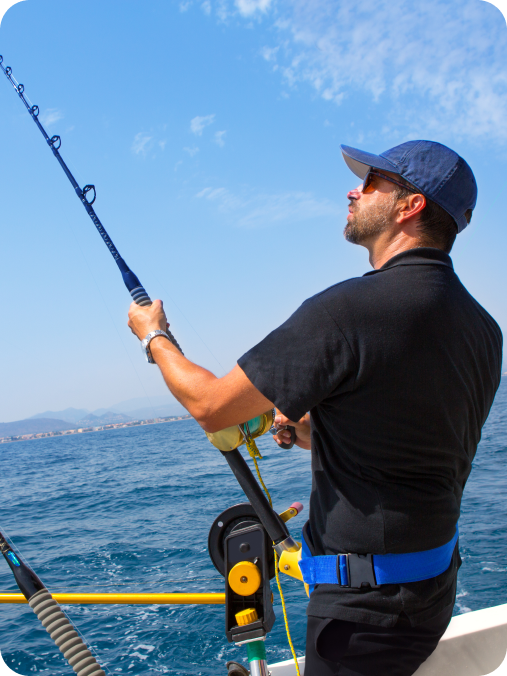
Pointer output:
212, 130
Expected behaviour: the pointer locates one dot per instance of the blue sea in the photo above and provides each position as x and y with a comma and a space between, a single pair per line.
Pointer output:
130, 509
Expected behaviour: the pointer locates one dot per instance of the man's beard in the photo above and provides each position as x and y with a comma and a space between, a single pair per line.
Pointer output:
365, 225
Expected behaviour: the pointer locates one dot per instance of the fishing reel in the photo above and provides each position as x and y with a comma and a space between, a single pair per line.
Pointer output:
235, 436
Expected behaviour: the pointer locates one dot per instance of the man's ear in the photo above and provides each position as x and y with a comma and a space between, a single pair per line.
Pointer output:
410, 207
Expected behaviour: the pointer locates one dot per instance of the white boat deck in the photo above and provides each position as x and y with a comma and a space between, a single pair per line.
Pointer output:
475, 644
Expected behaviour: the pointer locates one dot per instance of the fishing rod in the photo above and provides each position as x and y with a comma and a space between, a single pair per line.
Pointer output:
260, 541
136, 289
87, 197
54, 620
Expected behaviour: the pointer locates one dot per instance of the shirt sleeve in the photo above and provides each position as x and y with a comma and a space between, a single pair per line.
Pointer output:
302, 362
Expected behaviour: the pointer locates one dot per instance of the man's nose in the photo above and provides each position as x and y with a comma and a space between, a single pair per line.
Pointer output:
356, 193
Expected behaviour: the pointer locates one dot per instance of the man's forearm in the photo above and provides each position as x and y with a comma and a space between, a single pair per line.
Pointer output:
192, 385
216, 403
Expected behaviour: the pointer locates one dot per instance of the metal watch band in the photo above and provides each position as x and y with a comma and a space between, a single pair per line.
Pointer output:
145, 344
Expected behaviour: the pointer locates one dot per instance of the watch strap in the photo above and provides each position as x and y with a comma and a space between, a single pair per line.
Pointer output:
145, 344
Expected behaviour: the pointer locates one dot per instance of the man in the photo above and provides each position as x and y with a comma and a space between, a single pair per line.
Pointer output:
398, 370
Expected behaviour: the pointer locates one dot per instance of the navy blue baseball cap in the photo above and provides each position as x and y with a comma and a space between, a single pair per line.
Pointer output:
434, 169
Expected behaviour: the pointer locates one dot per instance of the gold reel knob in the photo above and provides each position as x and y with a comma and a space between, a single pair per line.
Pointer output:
245, 578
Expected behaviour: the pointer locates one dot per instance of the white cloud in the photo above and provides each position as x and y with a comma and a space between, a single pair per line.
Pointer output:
184, 6
261, 210
206, 7
220, 138
203, 192
213, 194
439, 64
269, 53
191, 151
162, 144
198, 123
141, 143
50, 116
222, 10
249, 7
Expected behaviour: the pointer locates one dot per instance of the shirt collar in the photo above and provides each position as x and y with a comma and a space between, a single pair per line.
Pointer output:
419, 256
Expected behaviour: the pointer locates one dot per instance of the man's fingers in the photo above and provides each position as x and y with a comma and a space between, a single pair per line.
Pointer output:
281, 419
302, 427
144, 320
283, 436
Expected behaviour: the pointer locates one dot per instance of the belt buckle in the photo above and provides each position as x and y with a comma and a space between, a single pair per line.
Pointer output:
360, 571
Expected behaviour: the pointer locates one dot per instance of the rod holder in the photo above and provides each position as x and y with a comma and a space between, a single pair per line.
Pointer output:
275, 527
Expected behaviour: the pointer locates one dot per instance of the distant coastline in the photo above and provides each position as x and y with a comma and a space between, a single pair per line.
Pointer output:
63, 427
101, 428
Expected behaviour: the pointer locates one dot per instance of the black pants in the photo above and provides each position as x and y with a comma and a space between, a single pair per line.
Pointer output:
339, 648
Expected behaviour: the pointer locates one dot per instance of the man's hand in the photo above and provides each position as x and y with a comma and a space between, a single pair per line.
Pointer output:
144, 320
303, 432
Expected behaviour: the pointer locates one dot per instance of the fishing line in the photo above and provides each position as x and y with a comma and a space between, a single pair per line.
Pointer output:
254, 454
166, 293
102, 298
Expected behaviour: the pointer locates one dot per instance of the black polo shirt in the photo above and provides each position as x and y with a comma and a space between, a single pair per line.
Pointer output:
399, 369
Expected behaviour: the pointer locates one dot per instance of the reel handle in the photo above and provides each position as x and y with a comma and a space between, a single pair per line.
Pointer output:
292, 441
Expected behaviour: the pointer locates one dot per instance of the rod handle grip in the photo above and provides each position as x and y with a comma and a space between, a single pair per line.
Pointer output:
140, 297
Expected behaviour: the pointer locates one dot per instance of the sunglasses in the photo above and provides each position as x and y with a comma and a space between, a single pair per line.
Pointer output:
373, 172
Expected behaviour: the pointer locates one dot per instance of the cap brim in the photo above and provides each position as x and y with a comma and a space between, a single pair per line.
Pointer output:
360, 162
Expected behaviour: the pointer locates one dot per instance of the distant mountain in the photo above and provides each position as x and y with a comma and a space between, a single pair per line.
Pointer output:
34, 426
147, 407
102, 411
107, 418
140, 408
157, 412
72, 415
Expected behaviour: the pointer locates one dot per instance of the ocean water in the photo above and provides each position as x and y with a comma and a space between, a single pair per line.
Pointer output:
129, 510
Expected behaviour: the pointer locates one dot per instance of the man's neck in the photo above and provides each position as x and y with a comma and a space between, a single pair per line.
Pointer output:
385, 247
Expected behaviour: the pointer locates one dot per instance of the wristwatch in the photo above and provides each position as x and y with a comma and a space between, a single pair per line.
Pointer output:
145, 344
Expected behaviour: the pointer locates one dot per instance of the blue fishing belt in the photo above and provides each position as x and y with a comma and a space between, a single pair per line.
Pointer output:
355, 570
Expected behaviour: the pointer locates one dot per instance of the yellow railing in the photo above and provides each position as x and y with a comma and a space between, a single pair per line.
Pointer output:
147, 599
